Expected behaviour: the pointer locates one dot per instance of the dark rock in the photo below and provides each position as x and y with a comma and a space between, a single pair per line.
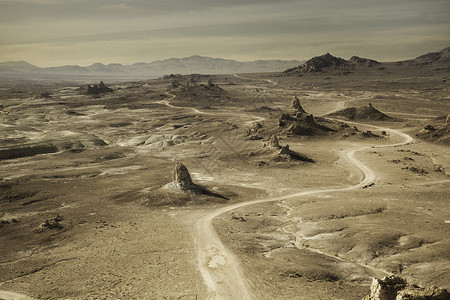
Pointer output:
101, 88
283, 120
175, 84
285, 150
45, 95
50, 224
429, 128
181, 176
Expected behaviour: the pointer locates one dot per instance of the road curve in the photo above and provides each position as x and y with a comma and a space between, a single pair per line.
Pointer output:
220, 269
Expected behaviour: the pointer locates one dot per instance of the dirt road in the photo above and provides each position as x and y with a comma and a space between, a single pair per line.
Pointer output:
221, 271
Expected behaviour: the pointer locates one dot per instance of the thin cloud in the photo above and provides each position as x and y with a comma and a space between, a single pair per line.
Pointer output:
137, 30
119, 7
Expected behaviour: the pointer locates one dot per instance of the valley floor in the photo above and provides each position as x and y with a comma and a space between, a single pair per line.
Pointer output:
95, 168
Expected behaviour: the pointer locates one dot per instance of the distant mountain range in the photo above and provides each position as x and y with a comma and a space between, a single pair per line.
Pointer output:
187, 65
207, 65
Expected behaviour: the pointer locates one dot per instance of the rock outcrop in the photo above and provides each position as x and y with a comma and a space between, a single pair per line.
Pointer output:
364, 61
285, 150
183, 190
438, 131
295, 105
101, 88
395, 288
297, 121
286, 153
273, 142
52, 223
181, 176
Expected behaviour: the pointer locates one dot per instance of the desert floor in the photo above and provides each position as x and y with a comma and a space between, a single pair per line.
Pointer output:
97, 167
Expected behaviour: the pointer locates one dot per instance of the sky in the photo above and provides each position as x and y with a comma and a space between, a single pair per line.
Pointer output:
81, 32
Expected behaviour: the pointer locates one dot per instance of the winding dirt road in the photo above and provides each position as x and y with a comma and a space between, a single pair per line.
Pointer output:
221, 271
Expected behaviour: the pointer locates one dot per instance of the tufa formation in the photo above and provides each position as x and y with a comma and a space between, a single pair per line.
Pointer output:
182, 177
295, 105
101, 88
273, 142
297, 121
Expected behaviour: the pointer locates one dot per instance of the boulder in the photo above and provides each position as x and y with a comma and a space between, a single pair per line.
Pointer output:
395, 288
386, 288
418, 293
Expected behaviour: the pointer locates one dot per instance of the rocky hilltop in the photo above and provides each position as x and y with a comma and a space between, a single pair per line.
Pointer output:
318, 63
364, 61
431, 58
329, 62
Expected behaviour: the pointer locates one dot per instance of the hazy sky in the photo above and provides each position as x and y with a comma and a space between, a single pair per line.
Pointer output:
57, 32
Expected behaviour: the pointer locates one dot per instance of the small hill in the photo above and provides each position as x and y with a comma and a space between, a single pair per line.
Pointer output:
318, 64
442, 56
367, 112
208, 92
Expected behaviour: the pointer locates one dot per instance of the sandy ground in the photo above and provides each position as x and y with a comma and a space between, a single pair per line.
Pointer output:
287, 229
